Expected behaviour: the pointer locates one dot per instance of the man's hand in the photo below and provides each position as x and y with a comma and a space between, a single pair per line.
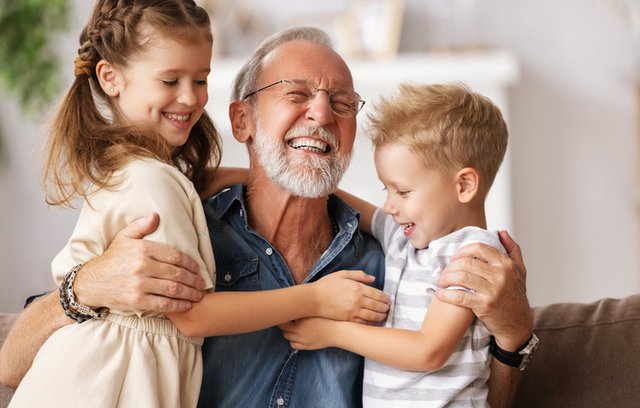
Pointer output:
499, 296
137, 274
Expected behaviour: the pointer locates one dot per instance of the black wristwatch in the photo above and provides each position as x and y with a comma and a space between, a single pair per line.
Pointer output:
517, 359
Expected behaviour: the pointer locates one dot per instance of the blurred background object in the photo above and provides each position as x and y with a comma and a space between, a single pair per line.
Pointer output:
29, 66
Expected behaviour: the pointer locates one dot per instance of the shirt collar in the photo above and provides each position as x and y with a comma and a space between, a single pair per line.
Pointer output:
346, 217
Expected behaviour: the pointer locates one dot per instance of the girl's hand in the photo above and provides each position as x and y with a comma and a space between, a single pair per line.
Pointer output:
345, 295
312, 333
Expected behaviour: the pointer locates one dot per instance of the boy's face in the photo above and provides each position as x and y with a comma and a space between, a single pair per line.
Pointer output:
422, 199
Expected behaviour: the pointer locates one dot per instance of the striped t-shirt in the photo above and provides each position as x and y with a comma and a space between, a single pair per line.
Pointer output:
410, 278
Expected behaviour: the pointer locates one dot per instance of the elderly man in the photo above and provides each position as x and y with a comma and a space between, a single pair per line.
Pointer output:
295, 108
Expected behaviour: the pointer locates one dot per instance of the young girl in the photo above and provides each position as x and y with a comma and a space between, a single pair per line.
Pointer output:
132, 138
437, 151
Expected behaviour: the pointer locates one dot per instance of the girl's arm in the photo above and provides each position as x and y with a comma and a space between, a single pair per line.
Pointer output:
341, 295
365, 208
425, 350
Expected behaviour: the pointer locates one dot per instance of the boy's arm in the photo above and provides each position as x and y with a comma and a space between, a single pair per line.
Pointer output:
443, 327
365, 208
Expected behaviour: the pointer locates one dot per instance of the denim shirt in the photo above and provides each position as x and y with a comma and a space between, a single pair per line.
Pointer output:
259, 369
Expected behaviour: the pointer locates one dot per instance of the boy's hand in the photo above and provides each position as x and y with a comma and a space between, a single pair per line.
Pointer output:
312, 333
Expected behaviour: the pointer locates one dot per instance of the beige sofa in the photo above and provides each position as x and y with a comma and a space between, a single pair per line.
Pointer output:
589, 356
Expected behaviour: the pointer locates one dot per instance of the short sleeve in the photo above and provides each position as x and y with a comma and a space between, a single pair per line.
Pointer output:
145, 186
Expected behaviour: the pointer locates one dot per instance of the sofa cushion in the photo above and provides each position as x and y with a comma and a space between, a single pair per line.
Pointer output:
588, 355
6, 322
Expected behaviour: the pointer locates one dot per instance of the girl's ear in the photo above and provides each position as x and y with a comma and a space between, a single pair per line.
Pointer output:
242, 123
107, 78
467, 184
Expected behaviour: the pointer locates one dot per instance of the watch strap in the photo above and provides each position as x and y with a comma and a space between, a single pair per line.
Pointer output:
517, 359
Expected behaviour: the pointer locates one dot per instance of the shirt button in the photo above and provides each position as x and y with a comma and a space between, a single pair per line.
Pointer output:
268, 251
280, 401
242, 213
227, 277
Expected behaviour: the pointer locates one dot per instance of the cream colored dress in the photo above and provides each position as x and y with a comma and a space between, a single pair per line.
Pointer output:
126, 359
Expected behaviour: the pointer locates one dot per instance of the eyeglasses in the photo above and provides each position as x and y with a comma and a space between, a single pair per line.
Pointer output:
344, 102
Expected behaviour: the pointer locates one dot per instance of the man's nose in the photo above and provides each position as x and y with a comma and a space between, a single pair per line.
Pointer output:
319, 108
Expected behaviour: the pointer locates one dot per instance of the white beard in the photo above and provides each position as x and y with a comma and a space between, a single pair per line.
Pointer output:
312, 176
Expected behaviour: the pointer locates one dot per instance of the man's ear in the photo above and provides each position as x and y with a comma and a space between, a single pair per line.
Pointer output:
242, 123
467, 184
107, 77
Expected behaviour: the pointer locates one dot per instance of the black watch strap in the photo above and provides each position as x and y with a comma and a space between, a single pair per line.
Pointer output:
517, 359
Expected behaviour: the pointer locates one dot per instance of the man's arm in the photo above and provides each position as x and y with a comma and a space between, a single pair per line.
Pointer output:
498, 298
32, 328
133, 274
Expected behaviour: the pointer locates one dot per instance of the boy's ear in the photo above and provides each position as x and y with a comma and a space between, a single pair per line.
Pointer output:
242, 123
107, 77
467, 184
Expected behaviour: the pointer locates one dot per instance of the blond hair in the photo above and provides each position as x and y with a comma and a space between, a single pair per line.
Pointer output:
85, 147
447, 125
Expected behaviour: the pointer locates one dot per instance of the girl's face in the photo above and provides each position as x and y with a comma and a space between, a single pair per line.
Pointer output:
422, 199
165, 87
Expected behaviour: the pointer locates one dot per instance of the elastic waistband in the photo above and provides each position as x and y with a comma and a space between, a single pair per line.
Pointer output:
163, 327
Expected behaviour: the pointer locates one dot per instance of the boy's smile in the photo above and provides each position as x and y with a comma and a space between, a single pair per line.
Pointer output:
421, 199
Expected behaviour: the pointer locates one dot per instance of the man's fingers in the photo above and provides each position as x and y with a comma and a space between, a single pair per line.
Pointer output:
482, 252
141, 227
455, 297
166, 305
169, 256
513, 249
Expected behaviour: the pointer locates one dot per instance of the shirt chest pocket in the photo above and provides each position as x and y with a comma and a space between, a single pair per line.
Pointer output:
240, 274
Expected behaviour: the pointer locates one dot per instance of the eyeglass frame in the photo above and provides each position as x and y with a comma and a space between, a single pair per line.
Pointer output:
361, 102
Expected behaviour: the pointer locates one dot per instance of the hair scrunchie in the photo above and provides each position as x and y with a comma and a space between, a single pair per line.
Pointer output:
82, 67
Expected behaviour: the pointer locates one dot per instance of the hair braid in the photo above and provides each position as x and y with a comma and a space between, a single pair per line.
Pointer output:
87, 147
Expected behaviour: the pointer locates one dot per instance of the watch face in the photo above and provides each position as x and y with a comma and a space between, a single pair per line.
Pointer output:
527, 352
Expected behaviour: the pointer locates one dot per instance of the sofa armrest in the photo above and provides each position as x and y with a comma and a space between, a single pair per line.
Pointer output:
588, 355
6, 322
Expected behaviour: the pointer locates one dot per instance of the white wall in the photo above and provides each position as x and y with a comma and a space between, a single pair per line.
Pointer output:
573, 146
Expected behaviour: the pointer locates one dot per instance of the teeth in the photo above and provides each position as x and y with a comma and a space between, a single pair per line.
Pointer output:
310, 145
407, 226
179, 118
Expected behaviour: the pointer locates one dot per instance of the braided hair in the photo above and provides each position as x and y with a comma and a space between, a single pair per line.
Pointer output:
88, 143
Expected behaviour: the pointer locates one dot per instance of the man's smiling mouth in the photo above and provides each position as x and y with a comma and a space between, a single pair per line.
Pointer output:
310, 145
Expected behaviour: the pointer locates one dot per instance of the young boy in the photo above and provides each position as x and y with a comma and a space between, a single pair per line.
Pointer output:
437, 151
